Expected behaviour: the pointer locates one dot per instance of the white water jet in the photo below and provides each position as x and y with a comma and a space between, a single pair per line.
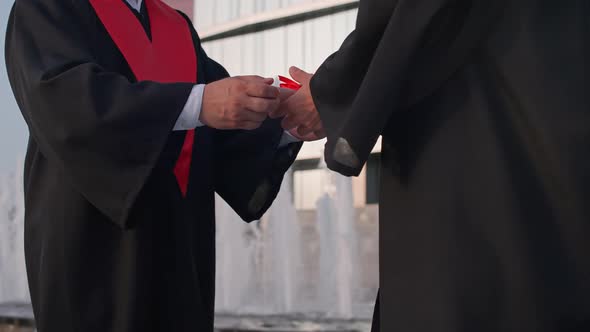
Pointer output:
261, 267
13, 280
257, 263
236, 243
339, 250
282, 252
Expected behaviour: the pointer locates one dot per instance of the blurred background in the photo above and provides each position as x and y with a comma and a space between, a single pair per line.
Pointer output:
311, 264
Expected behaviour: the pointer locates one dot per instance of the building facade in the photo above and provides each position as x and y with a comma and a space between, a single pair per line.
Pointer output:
265, 37
185, 6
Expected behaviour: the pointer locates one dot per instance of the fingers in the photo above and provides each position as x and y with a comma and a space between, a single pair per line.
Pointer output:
246, 102
289, 122
257, 86
245, 120
261, 105
305, 122
254, 111
288, 101
257, 101
238, 103
314, 136
251, 116
295, 119
300, 75
302, 119
261, 90
313, 126
292, 106
256, 79
279, 112
285, 94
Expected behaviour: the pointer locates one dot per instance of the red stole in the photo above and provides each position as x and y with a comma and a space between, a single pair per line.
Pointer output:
168, 58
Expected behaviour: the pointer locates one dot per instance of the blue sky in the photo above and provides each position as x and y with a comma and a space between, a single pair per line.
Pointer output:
13, 131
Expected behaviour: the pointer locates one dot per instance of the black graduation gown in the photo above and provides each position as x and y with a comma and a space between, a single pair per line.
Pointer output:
484, 111
110, 243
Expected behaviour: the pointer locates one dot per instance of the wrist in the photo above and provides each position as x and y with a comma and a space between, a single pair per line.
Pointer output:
204, 106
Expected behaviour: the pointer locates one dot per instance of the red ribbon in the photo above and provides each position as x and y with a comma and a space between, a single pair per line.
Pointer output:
169, 57
288, 83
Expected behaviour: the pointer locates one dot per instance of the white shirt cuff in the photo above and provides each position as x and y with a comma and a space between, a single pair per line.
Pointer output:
287, 139
189, 118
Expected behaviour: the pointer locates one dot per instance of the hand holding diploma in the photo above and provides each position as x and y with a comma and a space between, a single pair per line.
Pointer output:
300, 116
242, 102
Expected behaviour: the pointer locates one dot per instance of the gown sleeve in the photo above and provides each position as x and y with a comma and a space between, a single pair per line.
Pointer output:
104, 131
398, 54
250, 166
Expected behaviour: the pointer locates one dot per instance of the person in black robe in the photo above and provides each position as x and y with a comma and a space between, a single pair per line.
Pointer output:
112, 243
484, 112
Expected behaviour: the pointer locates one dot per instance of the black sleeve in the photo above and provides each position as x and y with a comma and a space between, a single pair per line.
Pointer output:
399, 53
251, 166
104, 131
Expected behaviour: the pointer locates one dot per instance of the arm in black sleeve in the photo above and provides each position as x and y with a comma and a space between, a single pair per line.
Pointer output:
251, 167
249, 164
400, 52
103, 130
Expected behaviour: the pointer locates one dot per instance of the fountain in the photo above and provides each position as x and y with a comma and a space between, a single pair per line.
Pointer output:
13, 281
282, 248
231, 287
339, 257
15, 313
285, 272
267, 255
270, 257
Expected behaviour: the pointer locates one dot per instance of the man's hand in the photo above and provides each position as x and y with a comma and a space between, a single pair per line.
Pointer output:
301, 117
313, 136
242, 102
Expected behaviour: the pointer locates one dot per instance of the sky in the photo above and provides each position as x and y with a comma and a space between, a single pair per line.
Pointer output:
13, 131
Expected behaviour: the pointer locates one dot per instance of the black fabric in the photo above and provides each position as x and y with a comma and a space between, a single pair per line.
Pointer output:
376, 317
485, 177
110, 243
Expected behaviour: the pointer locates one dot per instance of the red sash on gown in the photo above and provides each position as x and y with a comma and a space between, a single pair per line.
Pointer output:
168, 58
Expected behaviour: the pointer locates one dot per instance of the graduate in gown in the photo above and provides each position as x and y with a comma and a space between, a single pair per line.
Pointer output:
484, 111
125, 154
